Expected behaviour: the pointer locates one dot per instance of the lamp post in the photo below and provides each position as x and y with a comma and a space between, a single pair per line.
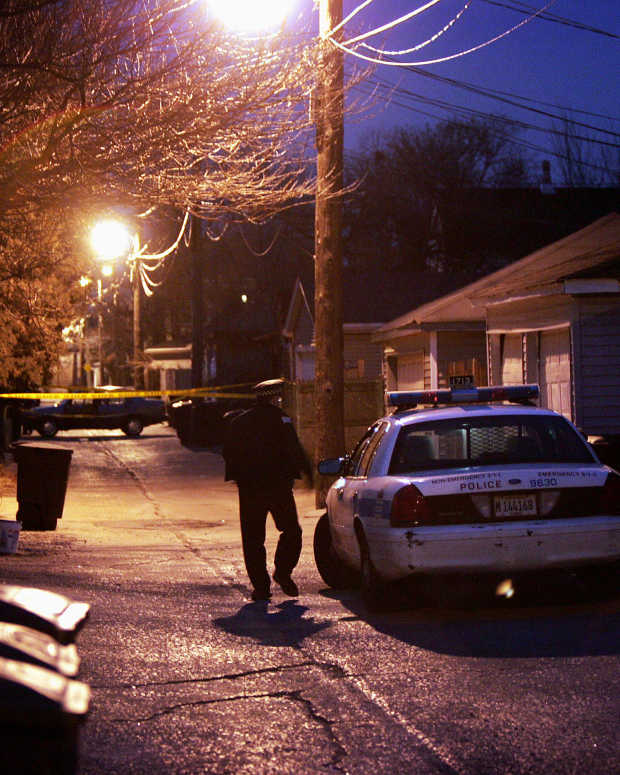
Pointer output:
111, 240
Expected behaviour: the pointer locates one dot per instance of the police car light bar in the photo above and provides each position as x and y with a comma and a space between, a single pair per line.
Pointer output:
407, 399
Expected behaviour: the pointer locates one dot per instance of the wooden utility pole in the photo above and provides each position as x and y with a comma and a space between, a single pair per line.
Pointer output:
138, 341
328, 314
198, 304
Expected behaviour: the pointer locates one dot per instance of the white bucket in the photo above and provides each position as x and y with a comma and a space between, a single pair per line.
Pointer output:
9, 535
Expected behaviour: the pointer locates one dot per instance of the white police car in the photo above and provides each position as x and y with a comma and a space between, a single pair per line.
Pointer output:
470, 484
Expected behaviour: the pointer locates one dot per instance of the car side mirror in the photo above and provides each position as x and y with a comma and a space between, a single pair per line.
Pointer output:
333, 466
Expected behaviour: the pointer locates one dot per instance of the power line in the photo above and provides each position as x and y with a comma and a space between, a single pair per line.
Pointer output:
512, 100
549, 17
391, 63
387, 89
492, 93
470, 112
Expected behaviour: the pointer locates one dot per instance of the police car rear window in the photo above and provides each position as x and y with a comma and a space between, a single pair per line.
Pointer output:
498, 440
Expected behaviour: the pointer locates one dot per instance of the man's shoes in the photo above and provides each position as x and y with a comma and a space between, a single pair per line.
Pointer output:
261, 594
288, 585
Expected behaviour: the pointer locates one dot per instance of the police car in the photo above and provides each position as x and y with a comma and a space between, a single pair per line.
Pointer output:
466, 481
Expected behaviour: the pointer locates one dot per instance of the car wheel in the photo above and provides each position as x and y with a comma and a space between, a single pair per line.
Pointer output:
133, 427
48, 429
373, 589
330, 567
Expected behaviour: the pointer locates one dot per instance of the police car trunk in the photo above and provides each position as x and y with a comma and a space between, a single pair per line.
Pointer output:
491, 487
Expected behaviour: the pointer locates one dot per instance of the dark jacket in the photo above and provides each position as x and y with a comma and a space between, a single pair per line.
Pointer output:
261, 448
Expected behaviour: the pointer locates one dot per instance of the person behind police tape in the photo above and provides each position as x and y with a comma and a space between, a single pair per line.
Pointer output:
263, 456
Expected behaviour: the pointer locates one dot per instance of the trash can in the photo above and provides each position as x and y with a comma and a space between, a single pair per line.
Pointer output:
182, 420
25, 644
42, 476
43, 610
41, 713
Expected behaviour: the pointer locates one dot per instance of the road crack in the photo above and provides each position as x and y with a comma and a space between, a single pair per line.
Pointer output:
210, 679
296, 695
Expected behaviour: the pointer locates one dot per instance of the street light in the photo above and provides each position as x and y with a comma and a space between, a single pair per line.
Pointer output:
250, 15
111, 239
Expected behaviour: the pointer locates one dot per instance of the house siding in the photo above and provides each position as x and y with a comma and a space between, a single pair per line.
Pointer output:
597, 336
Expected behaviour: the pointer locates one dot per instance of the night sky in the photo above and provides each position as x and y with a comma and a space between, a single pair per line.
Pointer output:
554, 63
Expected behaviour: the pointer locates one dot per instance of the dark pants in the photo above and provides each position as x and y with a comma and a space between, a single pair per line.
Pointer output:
254, 504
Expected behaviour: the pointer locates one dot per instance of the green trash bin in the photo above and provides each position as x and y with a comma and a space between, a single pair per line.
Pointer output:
42, 476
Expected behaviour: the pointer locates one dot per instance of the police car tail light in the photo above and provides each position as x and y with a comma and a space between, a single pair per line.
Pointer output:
610, 501
410, 508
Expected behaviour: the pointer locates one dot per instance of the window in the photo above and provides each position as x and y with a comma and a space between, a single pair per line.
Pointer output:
503, 439
370, 450
355, 463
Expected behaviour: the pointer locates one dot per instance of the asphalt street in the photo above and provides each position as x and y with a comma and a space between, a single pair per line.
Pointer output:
189, 676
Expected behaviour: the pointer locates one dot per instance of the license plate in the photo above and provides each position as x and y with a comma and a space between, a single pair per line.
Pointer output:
515, 505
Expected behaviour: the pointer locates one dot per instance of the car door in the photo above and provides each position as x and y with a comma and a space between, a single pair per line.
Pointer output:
349, 492
113, 413
79, 414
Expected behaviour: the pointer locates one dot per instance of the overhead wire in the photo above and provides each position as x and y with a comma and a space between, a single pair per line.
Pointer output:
515, 101
463, 111
260, 254
492, 93
525, 125
549, 17
389, 25
345, 46
424, 43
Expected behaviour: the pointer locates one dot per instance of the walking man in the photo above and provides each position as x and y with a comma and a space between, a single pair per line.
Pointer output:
263, 456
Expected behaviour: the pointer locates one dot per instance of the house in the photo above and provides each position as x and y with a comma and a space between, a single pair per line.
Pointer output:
169, 367
427, 346
552, 317
362, 356
368, 299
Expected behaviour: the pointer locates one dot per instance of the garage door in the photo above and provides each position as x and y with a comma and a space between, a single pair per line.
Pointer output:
411, 371
555, 382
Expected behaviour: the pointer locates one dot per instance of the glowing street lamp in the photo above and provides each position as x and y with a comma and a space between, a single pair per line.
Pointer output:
110, 240
251, 15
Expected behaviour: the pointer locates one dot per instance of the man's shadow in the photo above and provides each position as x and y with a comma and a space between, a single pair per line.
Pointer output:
284, 626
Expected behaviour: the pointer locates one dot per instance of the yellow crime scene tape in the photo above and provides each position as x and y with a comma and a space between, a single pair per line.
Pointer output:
219, 391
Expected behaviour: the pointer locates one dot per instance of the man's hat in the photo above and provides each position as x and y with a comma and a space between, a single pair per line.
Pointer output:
270, 387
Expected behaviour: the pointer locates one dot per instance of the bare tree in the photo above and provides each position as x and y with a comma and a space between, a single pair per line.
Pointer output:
148, 102
586, 159
415, 190
139, 104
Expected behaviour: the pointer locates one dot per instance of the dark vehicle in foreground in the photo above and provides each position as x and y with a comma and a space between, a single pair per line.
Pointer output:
131, 415
468, 485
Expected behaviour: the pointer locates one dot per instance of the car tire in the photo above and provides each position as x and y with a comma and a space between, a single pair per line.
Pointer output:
48, 429
330, 567
374, 591
133, 427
